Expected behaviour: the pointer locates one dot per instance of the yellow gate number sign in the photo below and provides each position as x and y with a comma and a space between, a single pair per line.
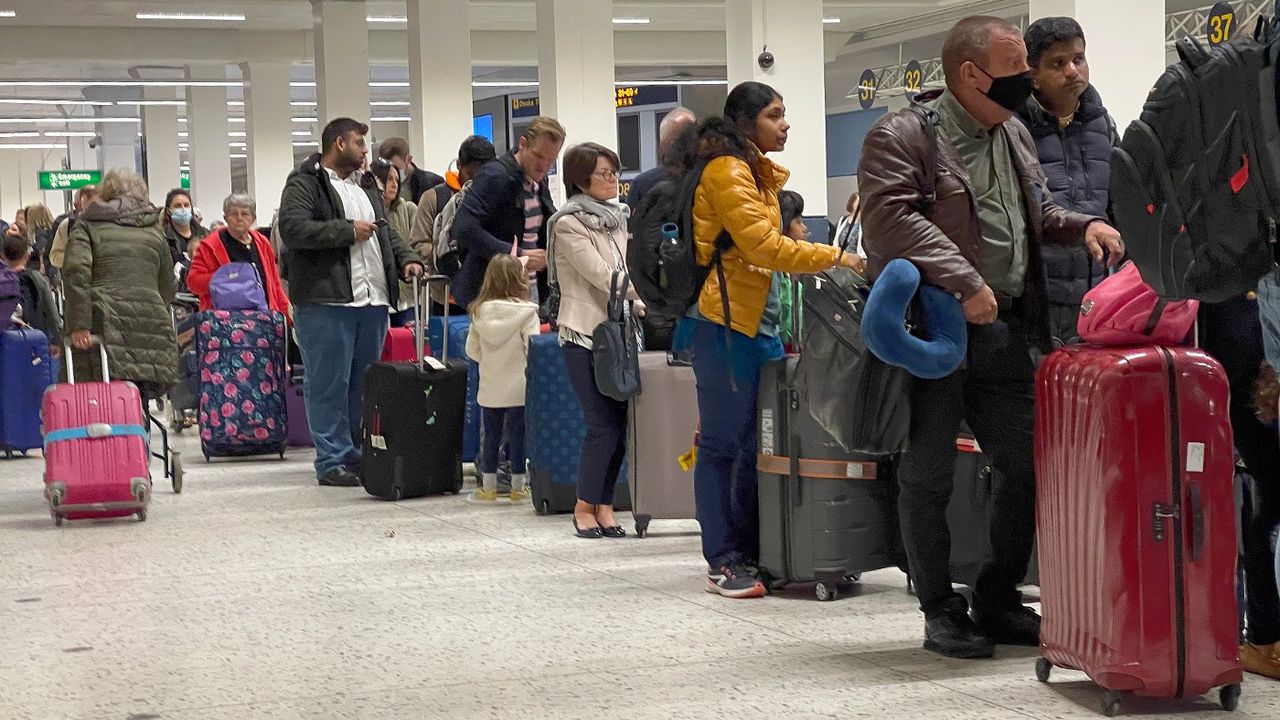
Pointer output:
913, 77
867, 89
1221, 23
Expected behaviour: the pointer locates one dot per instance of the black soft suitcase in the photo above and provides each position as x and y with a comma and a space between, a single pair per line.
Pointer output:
969, 514
413, 422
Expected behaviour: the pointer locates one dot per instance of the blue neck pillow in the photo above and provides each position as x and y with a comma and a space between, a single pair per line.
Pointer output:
884, 324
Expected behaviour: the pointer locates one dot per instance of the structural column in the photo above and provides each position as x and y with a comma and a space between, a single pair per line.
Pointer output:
575, 71
209, 150
119, 145
160, 130
342, 59
270, 133
439, 80
1125, 46
792, 30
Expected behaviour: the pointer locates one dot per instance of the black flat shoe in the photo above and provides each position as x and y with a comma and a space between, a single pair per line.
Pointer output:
613, 532
588, 533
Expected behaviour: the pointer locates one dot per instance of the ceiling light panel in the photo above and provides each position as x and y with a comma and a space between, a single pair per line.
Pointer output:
35, 101
191, 17
631, 21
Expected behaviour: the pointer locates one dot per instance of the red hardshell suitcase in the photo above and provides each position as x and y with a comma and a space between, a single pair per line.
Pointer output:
97, 462
1137, 523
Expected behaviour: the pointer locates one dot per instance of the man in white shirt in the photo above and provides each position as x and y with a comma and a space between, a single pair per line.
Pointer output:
342, 264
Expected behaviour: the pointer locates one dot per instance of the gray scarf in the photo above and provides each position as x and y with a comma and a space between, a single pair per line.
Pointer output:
608, 216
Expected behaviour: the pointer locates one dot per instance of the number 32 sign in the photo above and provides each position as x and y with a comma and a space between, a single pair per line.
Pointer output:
1221, 23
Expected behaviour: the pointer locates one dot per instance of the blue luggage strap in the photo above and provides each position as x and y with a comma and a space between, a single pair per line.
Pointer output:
95, 431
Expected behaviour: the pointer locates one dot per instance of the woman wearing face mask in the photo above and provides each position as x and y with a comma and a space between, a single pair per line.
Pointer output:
400, 214
181, 230
738, 195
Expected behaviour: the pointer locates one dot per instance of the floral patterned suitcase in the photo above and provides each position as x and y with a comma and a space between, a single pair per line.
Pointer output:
242, 383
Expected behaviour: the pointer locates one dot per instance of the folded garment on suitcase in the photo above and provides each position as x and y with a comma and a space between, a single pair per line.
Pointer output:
1136, 520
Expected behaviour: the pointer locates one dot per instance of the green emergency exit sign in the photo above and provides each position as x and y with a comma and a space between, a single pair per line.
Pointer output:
184, 179
68, 179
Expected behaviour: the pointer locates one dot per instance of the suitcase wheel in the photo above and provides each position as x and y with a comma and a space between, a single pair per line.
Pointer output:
544, 507
642, 525
826, 592
142, 515
1043, 668
1230, 697
177, 473
397, 493
1111, 703
58, 519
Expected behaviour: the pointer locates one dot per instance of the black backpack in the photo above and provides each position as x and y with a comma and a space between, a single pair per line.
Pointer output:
1195, 183
662, 257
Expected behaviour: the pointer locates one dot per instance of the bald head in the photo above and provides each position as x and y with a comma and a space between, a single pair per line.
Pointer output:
971, 40
672, 125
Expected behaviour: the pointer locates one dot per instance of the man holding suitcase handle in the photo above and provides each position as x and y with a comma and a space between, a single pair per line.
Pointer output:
938, 186
343, 262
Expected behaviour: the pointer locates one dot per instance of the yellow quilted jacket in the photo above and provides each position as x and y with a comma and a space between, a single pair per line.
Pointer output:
728, 199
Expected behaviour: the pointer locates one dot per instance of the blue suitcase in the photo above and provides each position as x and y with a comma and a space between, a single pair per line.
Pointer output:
26, 371
458, 327
242, 383
554, 431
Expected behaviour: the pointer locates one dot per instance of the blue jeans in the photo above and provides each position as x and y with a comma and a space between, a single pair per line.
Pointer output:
724, 479
503, 428
338, 344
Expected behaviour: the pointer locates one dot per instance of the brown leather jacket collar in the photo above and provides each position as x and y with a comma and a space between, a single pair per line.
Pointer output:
944, 244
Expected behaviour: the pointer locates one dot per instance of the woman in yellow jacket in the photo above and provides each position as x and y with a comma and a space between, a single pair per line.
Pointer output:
738, 194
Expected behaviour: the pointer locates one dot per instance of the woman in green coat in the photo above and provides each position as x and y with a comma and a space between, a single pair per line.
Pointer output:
400, 214
119, 280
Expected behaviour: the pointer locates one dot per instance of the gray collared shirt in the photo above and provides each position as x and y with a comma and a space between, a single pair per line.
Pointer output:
1002, 255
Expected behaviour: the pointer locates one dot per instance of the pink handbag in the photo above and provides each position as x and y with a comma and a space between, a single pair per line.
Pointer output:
1124, 310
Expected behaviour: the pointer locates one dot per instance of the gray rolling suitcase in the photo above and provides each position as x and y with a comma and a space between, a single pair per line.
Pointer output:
826, 516
663, 422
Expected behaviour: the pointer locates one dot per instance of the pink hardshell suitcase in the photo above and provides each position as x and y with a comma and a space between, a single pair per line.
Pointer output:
97, 461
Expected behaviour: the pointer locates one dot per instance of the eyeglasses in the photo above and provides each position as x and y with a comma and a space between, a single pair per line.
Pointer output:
606, 174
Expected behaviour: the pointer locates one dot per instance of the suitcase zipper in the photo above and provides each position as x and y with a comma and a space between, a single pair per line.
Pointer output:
1161, 513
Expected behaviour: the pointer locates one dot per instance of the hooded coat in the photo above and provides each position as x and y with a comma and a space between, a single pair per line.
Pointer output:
499, 341
119, 280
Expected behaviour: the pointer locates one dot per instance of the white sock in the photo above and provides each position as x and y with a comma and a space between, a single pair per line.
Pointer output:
519, 482
489, 481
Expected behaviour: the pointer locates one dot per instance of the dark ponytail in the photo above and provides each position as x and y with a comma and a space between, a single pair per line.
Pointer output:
734, 133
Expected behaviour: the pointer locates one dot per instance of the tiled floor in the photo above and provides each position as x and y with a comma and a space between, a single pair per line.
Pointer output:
257, 594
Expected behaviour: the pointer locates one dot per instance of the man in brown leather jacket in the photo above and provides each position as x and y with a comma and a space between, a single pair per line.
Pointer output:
980, 239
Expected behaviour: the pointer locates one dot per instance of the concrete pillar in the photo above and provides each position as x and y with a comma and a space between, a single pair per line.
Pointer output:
119, 141
342, 59
160, 130
439, 80
793, 31
269, 129
209, 150
1125, 48
575, 69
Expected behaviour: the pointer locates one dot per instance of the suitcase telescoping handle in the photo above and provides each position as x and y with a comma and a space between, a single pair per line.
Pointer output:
71, 368
420, 286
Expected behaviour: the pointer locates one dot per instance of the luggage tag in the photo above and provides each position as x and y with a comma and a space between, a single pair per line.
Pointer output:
434, 363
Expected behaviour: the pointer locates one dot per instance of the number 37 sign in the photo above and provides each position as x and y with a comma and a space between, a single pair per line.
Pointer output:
1222, 20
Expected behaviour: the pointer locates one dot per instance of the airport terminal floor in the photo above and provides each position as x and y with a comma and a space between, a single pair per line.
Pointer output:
258, 594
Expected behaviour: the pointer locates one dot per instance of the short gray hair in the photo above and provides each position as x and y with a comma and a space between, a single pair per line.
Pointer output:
123, 183
241, 201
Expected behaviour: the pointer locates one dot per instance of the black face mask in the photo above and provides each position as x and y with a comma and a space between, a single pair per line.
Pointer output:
1011, 91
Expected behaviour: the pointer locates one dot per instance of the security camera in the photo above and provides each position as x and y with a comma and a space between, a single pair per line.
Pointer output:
95, 141
765, 60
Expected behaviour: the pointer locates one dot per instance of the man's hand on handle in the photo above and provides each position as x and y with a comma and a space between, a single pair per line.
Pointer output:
82, 339
413, 270
1104, 242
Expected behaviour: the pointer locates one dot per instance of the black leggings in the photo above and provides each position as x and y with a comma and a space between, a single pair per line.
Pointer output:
1232, 333
605, 446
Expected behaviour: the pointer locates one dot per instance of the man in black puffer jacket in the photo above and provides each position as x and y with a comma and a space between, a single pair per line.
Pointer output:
1074, 135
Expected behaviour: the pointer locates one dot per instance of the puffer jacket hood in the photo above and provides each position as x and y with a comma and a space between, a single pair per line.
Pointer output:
498, 321
123, 211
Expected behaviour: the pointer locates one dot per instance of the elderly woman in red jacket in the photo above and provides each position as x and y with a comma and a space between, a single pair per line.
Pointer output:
237, 242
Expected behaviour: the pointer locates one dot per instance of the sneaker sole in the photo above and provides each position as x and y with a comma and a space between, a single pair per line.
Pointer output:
973, 654
756, 591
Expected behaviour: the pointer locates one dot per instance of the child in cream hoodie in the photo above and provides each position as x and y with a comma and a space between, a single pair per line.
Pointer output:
502, 321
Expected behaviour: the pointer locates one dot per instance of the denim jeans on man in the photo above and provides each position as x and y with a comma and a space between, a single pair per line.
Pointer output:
338, 344
724, 478
994, 392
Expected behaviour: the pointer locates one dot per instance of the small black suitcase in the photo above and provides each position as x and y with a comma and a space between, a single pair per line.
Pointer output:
413, 421
969, 514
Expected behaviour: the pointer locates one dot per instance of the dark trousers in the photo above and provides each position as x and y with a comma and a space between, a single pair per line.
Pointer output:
1232, 333
724, 478
503, 427
605, 446
994, 393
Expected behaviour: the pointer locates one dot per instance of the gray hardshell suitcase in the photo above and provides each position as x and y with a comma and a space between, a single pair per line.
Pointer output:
826, 516
663, 423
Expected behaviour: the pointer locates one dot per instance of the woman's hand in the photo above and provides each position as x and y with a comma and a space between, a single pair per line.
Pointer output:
854, 262
82, 339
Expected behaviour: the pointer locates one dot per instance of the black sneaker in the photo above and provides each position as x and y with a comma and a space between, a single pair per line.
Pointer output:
340, 477
1019, 626
951, 633
734, 581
